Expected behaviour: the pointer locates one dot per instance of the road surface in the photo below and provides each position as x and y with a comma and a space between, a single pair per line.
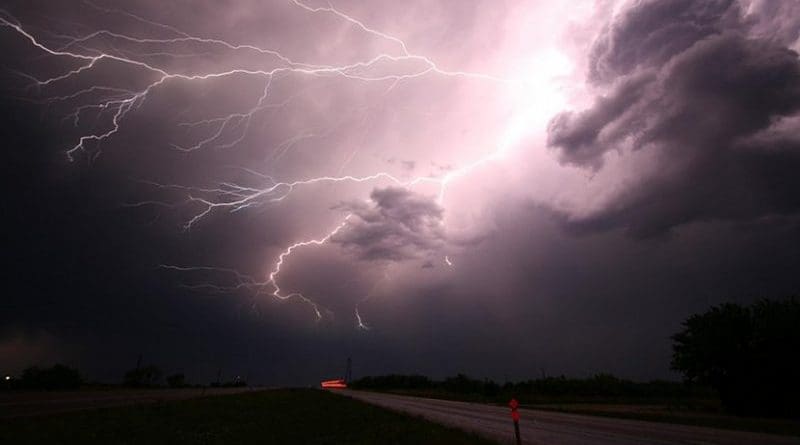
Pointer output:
21, 404
550, 428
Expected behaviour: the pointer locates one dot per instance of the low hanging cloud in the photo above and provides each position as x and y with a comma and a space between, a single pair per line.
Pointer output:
716, 106
395, 224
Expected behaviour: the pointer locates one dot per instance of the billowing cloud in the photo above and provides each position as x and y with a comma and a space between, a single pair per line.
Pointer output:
696, 105
396, 224
651, 32
777, 20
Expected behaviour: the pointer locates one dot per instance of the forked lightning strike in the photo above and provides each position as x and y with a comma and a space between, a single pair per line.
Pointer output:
230, 196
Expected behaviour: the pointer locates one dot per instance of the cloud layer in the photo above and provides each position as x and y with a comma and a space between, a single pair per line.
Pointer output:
397, 224
692, 85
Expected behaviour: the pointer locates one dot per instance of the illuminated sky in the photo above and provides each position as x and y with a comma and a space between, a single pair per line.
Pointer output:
501, 188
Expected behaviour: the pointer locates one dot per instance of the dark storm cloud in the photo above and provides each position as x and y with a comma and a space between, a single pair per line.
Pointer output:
775, 19
398, 224
698, 105
582, 136
652, 32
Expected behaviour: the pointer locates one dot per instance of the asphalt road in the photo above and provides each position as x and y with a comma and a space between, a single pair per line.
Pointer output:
21, 404
545, 427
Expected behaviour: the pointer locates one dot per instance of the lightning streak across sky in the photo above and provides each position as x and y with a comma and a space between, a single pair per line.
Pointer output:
263, 186
119, 103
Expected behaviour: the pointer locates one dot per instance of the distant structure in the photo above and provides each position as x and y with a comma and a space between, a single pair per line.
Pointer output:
340, 383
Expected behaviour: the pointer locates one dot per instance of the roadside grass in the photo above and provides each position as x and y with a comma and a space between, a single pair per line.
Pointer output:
695, 412
667, 414
286, 416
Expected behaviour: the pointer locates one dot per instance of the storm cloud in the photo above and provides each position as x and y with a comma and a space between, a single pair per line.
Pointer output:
497, 186
397, 224
700, 106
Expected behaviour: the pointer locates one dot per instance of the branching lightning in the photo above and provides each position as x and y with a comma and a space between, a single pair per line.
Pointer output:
119, 103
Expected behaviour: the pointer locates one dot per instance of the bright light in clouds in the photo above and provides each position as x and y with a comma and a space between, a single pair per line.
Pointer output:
536, 94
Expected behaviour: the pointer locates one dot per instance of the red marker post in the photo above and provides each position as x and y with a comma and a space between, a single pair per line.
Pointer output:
514, 405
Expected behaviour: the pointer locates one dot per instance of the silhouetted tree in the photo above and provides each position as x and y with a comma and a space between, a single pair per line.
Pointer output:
176, 380
748, 354
144, 376
236, 382
53, 378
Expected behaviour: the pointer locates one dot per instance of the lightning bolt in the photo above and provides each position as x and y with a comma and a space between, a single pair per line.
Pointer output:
118, 103
273, 275
360, 321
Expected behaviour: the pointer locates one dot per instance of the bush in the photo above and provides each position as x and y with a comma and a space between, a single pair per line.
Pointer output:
142, 377
56, 377
176, 380
746, 354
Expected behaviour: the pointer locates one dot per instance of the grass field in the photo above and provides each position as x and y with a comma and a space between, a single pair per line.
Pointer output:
292, 416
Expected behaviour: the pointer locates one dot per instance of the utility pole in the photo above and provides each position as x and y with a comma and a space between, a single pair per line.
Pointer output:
348, 373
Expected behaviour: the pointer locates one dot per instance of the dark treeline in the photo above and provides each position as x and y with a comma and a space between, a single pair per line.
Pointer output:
600, 386
56, 377
61, 377
744, 356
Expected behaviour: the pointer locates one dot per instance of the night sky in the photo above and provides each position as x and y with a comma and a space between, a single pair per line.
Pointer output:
499, 188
